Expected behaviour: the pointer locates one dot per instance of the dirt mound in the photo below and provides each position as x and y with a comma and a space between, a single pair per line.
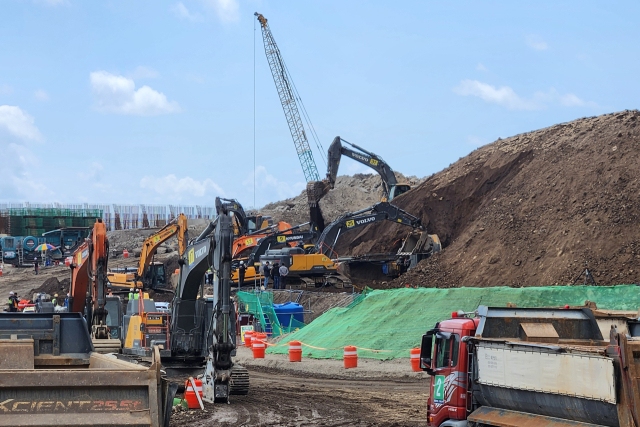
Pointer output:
530, 210
351, 193
52, 286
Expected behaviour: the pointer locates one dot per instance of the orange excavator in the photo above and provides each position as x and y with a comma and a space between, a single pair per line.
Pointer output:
151, 275
88, 293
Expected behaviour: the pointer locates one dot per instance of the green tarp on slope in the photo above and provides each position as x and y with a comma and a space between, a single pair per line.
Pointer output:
394, 320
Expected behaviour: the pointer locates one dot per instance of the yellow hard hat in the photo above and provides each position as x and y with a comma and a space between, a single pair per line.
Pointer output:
55, 295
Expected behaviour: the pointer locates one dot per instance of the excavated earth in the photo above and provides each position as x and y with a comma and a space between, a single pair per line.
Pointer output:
529, 210
351, 194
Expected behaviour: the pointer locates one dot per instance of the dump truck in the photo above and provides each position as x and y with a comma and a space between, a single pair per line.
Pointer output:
517, 367
50, 375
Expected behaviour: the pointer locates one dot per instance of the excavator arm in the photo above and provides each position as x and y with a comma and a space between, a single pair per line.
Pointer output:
152, 243
316, 190
382, 211
367, 158
89, 280
143, 278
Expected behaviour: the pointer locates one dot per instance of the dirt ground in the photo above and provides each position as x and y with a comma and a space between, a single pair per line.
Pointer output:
529, 210
320, 393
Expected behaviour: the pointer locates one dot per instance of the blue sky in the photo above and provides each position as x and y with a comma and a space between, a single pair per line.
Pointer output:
152, 101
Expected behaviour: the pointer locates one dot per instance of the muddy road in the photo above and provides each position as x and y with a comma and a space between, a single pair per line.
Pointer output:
277, 399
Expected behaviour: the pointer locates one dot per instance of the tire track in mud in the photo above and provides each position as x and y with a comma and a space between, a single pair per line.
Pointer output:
285, 400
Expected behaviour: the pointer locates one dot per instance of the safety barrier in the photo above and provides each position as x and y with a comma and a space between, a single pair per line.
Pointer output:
190, 393
350, 353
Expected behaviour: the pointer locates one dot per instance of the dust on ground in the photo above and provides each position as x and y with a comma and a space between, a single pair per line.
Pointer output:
320, 393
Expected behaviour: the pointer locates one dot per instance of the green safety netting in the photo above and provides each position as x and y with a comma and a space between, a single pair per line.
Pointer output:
260, 304
394, 320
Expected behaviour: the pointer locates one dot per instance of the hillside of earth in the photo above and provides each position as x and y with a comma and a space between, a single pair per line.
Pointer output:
530, 210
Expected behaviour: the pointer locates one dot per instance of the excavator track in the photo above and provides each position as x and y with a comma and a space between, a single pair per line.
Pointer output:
239, 384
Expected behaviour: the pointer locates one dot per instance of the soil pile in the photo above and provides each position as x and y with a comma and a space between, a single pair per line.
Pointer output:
530, 210
351, 193
52, 286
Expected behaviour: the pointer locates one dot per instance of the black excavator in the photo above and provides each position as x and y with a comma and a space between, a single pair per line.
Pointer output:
203, 329
289, 237
316, 190
322, 264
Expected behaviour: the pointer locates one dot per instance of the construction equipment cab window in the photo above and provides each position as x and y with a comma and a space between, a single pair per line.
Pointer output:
447, 350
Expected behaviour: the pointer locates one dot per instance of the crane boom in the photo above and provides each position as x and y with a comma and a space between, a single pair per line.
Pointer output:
288, 101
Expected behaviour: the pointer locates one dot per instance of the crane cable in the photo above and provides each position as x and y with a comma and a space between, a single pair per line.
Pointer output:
314, 134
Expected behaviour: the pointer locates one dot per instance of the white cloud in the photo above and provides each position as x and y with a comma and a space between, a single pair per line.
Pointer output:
41, 95
481, 67
144, 73
227, 10
534, 41
18, 123
118, 94
181, 188
181, 11
507, 97
269, 188
5, 89
504, 95
21, 177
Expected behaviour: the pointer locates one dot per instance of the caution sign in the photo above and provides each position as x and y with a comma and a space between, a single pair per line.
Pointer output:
374, 162
438, 389
248, 242
282, 239
192, 256
243, 330
350, 223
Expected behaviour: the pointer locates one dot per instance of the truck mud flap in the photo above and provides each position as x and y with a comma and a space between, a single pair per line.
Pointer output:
504, 418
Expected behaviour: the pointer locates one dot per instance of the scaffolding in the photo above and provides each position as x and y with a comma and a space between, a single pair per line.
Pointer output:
33, 219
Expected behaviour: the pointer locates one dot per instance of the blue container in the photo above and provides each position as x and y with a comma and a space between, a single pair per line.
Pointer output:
286, 311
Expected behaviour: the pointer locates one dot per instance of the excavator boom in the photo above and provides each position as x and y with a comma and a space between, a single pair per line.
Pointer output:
122, 282
150, 246
89, 280
316, 190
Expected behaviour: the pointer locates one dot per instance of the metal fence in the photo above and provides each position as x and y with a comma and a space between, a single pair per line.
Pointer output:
37, 218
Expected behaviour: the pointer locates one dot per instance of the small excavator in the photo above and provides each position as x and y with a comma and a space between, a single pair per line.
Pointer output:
151, 275
316, 190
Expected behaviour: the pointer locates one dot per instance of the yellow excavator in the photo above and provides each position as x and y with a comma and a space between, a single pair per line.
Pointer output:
151, 275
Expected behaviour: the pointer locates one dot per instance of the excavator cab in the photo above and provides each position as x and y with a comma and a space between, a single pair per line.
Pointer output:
155, 276
145, 327
397, 190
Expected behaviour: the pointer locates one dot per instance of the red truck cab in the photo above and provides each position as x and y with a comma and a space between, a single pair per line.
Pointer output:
444, 357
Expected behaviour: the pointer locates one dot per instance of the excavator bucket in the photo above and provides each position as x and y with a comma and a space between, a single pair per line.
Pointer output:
50, 376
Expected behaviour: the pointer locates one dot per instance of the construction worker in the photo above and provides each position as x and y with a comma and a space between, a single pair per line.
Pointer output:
283, 275
36, 265
241, 271
266, 270
13, 302
54, 301
131, 293
66, 301
209, 276
275, 273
